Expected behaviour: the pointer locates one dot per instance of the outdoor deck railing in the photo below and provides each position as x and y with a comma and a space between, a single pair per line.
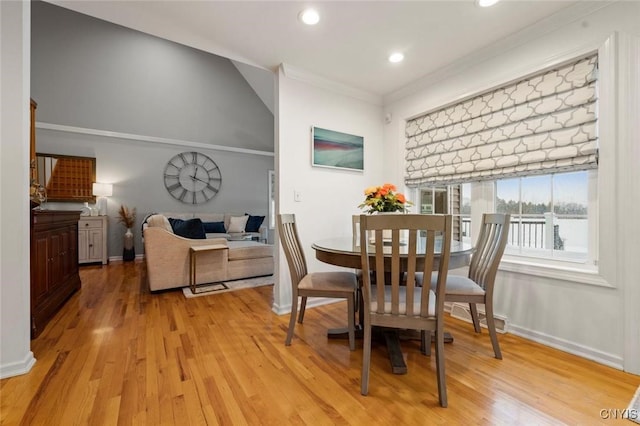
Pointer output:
531, 231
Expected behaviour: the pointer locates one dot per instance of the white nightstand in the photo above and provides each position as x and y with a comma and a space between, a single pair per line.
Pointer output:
92, 239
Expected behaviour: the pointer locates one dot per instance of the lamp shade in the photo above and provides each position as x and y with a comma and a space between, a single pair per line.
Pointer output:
102, 189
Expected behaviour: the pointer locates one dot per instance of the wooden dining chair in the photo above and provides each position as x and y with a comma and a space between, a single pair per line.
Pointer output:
477, 286
406, 306
335, 284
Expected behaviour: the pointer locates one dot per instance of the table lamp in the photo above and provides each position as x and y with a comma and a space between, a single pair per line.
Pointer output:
102, 190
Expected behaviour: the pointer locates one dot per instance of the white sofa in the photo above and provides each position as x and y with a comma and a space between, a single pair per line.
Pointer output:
261, 235
167, 259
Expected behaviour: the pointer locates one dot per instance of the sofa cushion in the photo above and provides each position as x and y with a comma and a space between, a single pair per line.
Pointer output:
239, 250
214, 227
237, 224
253, 223
160, 221
191, 228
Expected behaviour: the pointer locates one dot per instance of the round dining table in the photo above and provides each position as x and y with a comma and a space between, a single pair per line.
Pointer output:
345, 252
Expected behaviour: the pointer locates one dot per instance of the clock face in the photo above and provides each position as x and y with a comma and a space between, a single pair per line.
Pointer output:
192, 178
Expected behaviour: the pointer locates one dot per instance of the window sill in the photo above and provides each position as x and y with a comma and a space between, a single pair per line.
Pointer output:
581, 274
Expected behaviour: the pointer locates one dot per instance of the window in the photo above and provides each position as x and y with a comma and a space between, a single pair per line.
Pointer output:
549, 215
451, 199
530, 148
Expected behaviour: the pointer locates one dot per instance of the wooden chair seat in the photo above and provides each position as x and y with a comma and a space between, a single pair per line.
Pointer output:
339, 282
457, 285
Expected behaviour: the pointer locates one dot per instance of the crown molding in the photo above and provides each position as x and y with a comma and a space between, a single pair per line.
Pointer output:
552, 23
153, 139
308, 77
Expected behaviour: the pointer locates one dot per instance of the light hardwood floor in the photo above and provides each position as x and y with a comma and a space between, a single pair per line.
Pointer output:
117, 354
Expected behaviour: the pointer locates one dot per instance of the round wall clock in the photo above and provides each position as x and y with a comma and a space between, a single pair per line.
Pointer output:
192, 177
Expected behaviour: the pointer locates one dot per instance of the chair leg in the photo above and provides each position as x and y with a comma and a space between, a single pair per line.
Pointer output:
425, 342
366, 359
351, 322
292, 321
442, 384
360, 306
473, 310
491, 325
303, 305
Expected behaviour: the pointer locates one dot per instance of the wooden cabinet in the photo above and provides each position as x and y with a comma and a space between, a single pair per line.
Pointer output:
54, 263
92, 239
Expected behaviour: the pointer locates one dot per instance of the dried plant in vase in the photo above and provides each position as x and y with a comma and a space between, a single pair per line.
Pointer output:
127, 217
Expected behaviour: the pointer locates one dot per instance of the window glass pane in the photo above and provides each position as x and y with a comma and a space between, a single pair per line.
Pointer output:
536, 195
534, 203
570, 201
465, 196
440, 198
548, 214
465, 211
426, 201
508, 196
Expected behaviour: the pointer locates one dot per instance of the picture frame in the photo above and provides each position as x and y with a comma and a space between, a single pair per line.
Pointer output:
336, 150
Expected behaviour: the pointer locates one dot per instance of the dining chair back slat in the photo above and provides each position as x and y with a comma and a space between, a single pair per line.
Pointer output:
292, 248
489, 249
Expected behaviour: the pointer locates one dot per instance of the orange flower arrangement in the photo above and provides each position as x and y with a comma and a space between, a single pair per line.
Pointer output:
384, 198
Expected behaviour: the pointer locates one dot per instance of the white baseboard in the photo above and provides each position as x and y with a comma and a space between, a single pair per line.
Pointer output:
600, 357
17, 368
461, 311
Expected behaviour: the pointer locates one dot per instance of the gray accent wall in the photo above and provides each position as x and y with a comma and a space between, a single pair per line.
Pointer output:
90, 74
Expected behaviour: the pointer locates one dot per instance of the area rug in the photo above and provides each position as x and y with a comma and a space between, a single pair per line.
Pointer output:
223, 287
633, 411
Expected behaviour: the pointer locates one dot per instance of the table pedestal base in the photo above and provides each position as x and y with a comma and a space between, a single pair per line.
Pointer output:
391, 338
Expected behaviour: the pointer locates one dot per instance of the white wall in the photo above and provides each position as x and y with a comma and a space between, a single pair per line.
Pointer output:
592, 321
329, 196
15, 356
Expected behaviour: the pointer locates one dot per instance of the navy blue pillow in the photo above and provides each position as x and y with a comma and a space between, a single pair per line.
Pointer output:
191, 228
253, 223
214, 227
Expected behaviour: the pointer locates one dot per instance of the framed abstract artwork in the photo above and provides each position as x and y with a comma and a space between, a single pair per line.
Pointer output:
336, 149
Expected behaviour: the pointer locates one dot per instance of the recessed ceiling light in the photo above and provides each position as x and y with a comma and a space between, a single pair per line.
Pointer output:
396, 57
309, 16
487, 3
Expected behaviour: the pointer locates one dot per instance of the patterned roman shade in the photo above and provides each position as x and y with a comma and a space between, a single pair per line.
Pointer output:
541, 124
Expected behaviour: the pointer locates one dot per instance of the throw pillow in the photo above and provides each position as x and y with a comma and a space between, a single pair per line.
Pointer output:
160, 221
214, 227
253, 223
237, 224
191, 228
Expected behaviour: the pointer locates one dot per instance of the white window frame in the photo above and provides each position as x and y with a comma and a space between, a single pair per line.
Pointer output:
482, 200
